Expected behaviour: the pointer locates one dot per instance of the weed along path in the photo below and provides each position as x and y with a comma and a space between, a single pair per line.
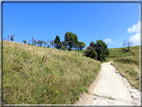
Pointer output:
110, 88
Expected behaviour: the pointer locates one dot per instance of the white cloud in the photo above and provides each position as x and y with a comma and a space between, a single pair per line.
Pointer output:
107, 40
135, 39
134, 28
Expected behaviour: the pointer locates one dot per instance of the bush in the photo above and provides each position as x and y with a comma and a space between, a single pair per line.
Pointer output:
29, 44
69, 49
126, 50
90, 52
64, 48
123, 49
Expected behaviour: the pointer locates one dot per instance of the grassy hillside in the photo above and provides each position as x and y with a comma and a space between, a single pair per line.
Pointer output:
38, 75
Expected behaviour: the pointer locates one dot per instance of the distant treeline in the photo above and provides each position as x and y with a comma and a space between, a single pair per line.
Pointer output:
97, 51
70, 42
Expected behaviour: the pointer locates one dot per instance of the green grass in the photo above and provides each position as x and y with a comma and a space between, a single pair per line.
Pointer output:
102, 96
127, 63
80, 51
39, 75
118, 53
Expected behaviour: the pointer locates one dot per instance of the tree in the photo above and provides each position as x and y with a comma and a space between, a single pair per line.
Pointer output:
101, 49
24, 41
78, 45
69, 37
57, 42
64, 43
90, 52
40, 42
32, 40
127, 44
52, 43
92, 44
12, 38
47, 43
82, 45
75, 41
8, 37
44, 43
60, 45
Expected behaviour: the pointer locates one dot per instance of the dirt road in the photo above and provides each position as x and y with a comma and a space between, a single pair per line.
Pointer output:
110, 88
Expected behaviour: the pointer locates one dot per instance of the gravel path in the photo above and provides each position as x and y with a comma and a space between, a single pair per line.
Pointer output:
110, 88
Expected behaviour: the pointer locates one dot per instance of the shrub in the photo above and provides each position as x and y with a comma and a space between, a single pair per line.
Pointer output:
90, 52
63, 48
126, 50
29, 44
24, 41
69, 49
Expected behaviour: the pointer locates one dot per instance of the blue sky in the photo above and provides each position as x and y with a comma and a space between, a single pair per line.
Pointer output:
110, 22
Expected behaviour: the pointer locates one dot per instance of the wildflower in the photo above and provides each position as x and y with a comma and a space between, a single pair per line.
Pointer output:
56, 92
44, 91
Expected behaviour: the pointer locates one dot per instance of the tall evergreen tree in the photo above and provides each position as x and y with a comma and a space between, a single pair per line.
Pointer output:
57, 42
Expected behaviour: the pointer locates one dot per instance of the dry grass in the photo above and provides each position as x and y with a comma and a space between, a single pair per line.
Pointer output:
38, 75
130, 72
